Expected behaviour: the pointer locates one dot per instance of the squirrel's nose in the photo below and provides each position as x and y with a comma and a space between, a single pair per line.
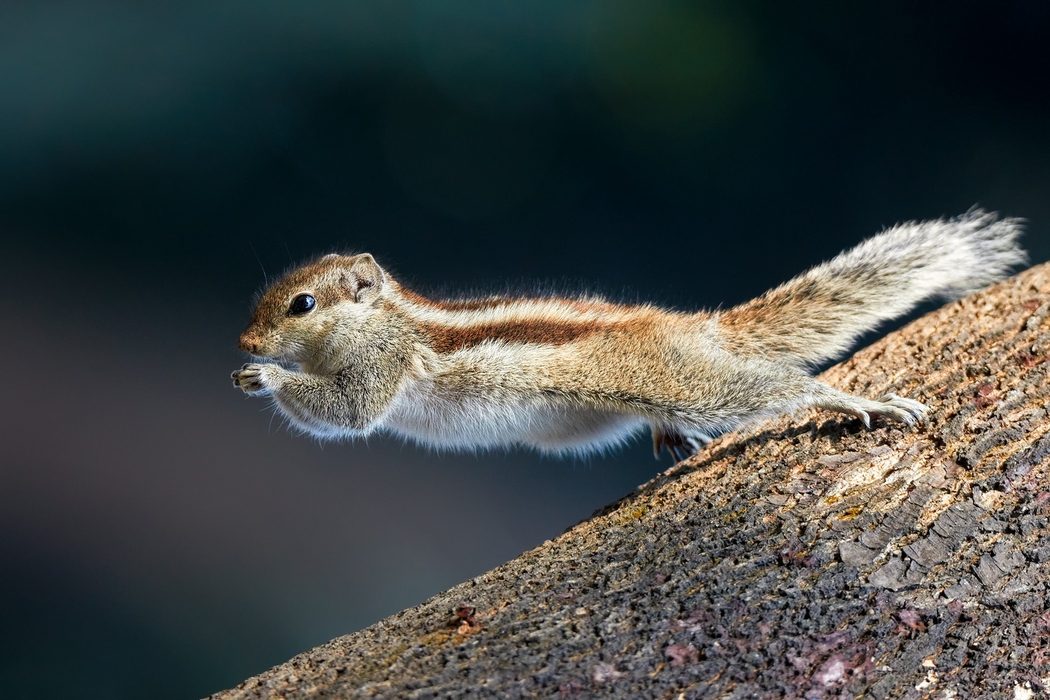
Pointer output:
248, 344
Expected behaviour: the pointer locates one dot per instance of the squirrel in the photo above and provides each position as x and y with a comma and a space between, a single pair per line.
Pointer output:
352, 352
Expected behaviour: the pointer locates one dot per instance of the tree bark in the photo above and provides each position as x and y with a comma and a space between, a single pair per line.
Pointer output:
804, 557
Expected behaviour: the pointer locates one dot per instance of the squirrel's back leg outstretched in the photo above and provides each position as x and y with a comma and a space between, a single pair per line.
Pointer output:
682, 439
819, 314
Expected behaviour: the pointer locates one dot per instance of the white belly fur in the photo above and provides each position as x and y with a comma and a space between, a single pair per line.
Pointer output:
482, 422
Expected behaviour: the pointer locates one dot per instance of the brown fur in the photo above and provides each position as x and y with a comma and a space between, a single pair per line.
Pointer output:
448, 339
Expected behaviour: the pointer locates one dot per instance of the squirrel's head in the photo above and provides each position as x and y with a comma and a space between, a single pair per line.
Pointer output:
296, 317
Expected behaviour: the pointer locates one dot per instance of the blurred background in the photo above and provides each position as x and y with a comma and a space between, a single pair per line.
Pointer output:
163, 536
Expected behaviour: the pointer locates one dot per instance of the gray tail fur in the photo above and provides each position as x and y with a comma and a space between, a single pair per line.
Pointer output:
819, 314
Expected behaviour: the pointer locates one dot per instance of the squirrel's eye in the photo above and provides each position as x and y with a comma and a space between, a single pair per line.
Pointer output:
302, 304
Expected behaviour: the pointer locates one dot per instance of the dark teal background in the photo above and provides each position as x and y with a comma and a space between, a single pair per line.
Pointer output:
162, 536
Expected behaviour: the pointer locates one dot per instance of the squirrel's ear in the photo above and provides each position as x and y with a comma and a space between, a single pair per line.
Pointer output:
364, 280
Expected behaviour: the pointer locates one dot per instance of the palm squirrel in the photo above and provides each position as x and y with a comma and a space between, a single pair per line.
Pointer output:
358, 353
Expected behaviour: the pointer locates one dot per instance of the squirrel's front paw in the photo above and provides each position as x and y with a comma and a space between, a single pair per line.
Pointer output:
251, 378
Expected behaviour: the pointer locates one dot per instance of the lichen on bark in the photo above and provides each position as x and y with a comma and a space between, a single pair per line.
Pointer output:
804, 557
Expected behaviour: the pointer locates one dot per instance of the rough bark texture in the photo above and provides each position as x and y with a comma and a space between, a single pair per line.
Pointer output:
806, 557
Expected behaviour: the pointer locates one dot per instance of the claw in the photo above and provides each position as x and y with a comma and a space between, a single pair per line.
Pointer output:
681, 444
906, 410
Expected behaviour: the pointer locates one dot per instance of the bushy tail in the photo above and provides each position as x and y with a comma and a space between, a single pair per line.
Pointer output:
817, 315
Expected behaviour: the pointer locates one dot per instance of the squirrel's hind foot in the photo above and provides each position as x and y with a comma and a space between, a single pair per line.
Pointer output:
902, 409
892, 406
